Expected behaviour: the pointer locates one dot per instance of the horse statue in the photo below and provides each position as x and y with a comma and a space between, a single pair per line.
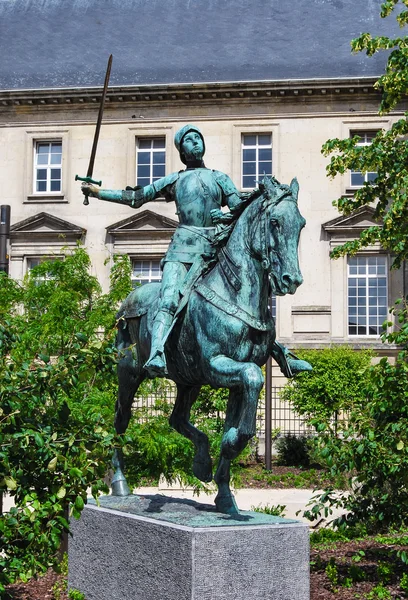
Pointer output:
223, 335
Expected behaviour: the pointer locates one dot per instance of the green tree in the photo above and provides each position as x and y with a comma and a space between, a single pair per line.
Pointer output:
57, 394
387, 155
373, 446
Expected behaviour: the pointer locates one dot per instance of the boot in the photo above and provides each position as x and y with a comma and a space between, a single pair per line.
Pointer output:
289, 364
156, 365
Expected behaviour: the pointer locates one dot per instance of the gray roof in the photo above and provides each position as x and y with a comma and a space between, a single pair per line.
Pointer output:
66, 43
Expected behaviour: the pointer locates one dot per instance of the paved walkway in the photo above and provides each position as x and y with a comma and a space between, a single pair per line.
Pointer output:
294, 499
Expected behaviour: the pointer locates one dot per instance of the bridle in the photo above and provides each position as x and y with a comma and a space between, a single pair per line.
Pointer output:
267, 204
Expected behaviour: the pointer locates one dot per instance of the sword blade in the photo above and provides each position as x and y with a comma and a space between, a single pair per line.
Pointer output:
99, 121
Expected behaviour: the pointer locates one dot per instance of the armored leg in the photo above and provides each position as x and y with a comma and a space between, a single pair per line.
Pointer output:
156, 364
173, 276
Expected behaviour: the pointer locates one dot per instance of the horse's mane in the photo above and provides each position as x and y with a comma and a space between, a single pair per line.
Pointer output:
269, 192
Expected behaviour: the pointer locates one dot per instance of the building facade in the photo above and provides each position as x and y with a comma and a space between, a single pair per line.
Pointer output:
272, 125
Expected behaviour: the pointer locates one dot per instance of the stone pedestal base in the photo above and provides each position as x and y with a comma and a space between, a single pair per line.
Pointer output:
158, 548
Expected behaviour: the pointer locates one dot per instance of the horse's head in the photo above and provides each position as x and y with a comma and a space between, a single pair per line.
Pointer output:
276, 236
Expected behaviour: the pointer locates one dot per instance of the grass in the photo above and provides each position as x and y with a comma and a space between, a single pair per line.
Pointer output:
255, 475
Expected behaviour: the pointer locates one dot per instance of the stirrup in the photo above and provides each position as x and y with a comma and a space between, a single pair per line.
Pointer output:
156, 365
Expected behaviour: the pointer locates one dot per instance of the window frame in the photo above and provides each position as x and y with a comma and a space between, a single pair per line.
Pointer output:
366, 276
255, 127
257, 147
46, 167
361, 133
41, 258
148, 131
142, 259
152, 151
348, 126
33, 137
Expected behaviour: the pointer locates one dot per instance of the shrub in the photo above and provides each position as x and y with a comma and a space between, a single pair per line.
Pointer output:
270, 509
56, 356
293, 450
333, 387
372, 446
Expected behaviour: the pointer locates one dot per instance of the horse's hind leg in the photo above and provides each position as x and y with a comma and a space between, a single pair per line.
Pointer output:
179, 419
130, 376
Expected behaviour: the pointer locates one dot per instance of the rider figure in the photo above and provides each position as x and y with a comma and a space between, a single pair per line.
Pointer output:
199, 194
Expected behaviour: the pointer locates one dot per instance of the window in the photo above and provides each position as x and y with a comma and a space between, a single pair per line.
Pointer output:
367, 294
33, 262
150, 160
47, 167
357, 178
256, 158
272, 306
145, 271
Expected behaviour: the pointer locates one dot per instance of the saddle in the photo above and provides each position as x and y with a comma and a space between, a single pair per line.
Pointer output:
144, 300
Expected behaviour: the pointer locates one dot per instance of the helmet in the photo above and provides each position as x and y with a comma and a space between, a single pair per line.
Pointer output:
178, 138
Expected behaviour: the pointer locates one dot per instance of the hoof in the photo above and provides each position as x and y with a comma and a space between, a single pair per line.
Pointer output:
119, 485
202, 469
226, 505
297, 365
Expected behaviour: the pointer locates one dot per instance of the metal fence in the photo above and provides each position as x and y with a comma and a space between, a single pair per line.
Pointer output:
284, 419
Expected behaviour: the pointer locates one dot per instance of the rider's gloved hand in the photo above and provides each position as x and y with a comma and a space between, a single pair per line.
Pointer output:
89, 190
217, 216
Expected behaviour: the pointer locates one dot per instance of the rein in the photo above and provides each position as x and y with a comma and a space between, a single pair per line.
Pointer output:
232, 270
233, 309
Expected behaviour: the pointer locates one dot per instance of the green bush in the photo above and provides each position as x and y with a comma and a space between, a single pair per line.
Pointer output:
153, 448
403, 584
57, 356
293, 451
333, 387
372, 445
270, 509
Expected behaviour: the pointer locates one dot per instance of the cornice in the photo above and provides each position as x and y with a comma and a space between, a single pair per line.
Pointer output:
315, 89
146, 217
45, 227
352, 224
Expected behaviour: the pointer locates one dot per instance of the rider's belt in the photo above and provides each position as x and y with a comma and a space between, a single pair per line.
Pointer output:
188, 242
233, 309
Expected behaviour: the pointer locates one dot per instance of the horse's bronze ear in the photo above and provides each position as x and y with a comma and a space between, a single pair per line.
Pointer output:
268, 184
294, 186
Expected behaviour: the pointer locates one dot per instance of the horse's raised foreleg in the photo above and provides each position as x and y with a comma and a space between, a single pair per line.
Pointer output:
245, 381
129, 377
180, 420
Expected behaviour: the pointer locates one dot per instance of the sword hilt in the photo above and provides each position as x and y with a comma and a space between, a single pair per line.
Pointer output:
87, 180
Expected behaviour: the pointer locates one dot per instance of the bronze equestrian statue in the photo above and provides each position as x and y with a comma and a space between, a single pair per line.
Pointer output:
208, 322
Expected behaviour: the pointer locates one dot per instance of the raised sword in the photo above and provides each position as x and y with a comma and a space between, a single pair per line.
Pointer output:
88, 178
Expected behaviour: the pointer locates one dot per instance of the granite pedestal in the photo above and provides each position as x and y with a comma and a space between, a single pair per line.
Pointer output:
160, 548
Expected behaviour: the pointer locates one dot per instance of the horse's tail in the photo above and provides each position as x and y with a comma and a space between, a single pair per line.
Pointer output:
133, 336
127, 334
133, 326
